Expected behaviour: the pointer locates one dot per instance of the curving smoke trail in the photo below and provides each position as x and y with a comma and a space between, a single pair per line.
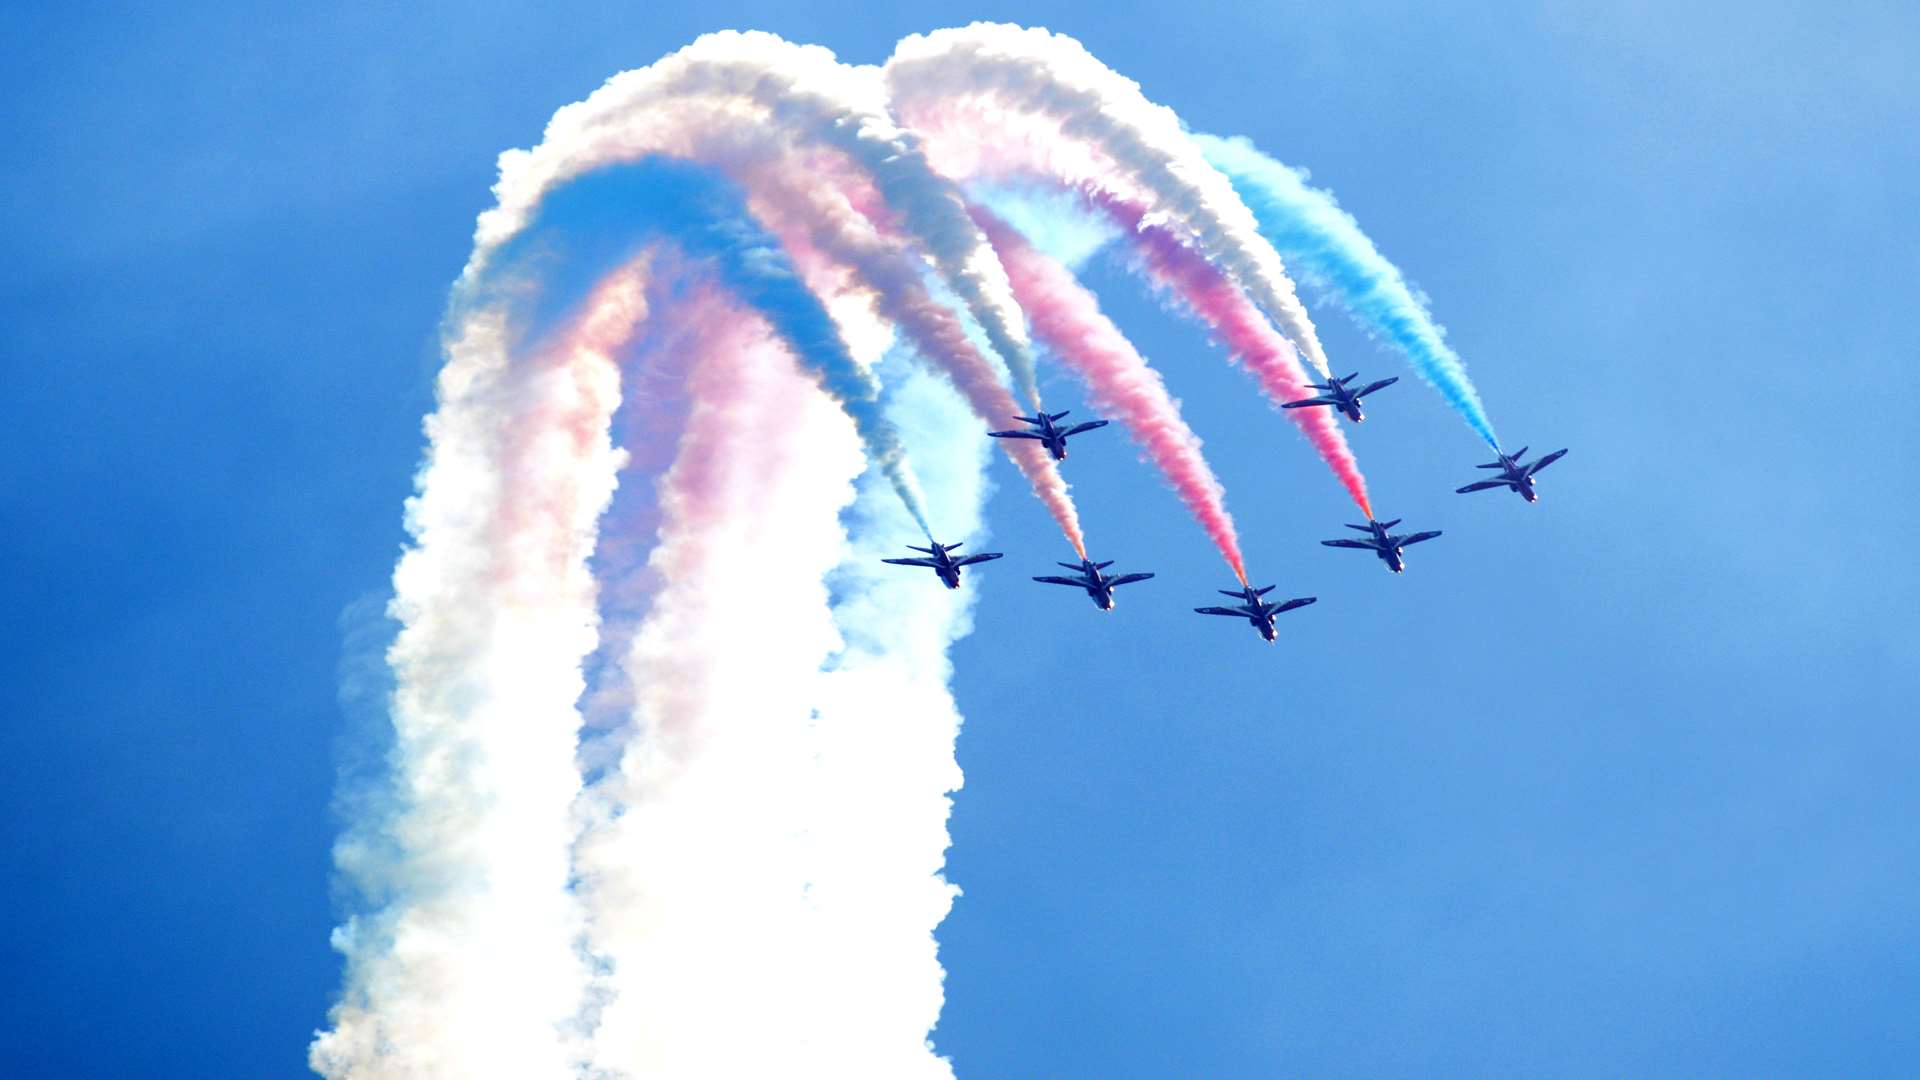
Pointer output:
1016, 69
1215, 299
604, 215
811, 100
967, 144
818, 211
464, 963
756, 839
1326, 245
1068, 318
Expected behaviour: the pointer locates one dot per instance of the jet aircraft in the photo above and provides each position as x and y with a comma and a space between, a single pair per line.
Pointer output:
1334, 392
1255, 610
1099, 586
943, 562
1514, 474
1382, 543
1053, 438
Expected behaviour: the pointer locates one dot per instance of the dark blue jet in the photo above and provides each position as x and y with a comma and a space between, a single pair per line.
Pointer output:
944, 562
1513, 474
1334, 392
1382, 543
1055, 439
1098, 585
1255, 610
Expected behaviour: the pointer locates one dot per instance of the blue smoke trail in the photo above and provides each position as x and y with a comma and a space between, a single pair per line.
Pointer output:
1324, 243
600, 220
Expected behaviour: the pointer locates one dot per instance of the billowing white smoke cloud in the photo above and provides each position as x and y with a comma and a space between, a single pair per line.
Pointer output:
811, 98
1036, 70
768, 849
466, 963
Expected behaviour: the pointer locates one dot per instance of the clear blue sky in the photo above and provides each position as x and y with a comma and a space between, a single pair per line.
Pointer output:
1617, 784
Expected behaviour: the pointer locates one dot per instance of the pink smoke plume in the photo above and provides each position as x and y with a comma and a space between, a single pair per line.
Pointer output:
819, 213
1068, 317
1242, 327
976, 139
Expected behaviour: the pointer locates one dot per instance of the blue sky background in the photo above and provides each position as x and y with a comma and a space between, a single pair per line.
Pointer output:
1617, 784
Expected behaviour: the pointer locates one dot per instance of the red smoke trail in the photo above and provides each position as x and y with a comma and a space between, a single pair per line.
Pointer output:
1243, 327
972, 139
818, 216
1065, 315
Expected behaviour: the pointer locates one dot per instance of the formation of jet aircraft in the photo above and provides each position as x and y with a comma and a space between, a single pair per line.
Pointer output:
943, 562
1098, 585
1514, 474
1256, 610
1382, 543
1043, 428
1334, 392
1091, 577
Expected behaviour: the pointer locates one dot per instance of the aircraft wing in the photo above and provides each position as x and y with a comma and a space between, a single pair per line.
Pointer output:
911, 562
1363, 545
1055, 579
1128, 579
1417, 537
1480, 485
1381, 385
985, 556
1239, 613
1545, 461
1299, 602
1088, 426
1322, 400
1014, 434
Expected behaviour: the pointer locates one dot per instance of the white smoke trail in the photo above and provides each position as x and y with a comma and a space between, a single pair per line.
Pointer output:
691, 868
770, 844
1036, 70
466, 965
808, 96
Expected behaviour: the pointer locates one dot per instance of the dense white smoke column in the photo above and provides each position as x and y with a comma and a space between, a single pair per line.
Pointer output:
886, 731
810, 98
693, 866
1035, 70
467, 964
767, 852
